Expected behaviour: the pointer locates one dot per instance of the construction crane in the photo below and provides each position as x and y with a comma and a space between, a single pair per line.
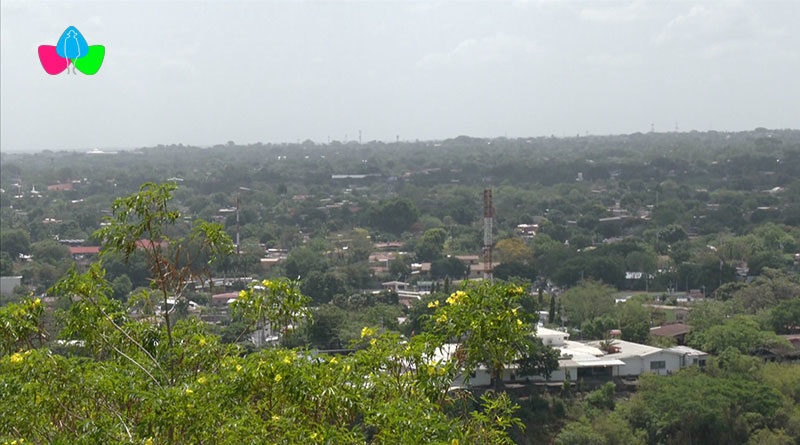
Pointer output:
488, 218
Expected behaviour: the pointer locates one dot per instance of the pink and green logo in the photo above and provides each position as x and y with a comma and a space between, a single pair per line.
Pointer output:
71, 49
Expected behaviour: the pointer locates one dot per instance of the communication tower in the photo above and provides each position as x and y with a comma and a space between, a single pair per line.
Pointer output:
488, 219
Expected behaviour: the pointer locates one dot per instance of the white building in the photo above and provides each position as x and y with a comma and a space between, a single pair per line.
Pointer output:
581, 360
7, 284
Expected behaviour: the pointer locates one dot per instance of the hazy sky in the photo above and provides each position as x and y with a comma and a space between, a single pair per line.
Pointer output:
206, 73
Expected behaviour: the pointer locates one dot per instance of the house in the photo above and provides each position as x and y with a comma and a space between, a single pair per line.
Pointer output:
420, 268
479, 270
224, 299
382, 259
781, 353
7, 284
390, 246
689, 356
408, 298
395, 285
639, 359
62, 187
425, 286
469, 259
80, 253
527, 231
597, 361
675, 331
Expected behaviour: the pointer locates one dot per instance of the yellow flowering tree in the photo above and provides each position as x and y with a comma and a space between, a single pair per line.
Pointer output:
142, 380
492, 330
278, 302
21, 325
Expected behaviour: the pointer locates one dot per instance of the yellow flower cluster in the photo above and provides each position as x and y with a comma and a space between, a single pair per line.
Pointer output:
433, 369
278, 378
242, 293
16, 357
433, 304
455, 297
366, 332
201, 380
189, 392
441, 319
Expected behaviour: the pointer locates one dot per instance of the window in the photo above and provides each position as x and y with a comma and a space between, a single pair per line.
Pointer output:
658, 364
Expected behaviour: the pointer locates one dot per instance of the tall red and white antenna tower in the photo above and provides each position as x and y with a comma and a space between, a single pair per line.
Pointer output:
488, 218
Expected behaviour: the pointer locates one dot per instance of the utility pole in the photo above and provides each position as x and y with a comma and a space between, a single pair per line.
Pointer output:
488, 219
237, 222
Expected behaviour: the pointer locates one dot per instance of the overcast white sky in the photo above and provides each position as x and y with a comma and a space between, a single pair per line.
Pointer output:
205, 73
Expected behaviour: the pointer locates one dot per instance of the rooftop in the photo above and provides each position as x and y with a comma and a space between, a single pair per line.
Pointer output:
671, 330
628, 349
685, 350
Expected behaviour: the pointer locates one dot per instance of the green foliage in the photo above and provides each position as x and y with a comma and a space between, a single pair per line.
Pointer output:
322, 287
449, 267
769, 289
588, 300
302, 261
492, 330
141, 381
597, 328
393, 215
785, 317
278, 302
15, 242
431, 245
49, 251
634, 322
122, 287
21, 325
602, 398
701, 409
740, 332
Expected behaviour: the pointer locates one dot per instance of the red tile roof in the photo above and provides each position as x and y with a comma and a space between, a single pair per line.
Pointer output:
223, 298
84, 250
147, 244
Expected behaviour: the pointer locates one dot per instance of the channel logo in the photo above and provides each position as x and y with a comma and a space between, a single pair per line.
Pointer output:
71, 49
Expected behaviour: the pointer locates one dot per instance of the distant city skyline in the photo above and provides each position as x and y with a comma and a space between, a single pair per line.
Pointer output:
205, 73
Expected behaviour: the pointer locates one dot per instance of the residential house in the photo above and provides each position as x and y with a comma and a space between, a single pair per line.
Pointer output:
62, 187
395, 286
82, 254
479, 270
594, 360
224, 299
469, 259
7, 284
675, 331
